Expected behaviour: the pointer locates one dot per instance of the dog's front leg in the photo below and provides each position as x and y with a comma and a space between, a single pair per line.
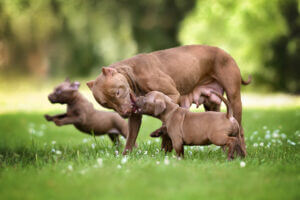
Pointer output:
134, 122
66, 120
59, 116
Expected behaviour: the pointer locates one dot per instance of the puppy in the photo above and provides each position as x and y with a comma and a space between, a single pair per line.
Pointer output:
81, 113
188, 128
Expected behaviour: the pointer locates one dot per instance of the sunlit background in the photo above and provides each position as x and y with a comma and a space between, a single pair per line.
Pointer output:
42, 42
56, 38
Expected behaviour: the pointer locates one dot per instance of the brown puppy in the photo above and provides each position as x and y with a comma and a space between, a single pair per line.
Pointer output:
183, 73
188, 128
81, 113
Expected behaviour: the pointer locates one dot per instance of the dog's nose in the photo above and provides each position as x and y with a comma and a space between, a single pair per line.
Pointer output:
50, 97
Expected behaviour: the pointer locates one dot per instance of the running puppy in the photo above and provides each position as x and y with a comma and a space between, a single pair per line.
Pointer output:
81, 113
188, 128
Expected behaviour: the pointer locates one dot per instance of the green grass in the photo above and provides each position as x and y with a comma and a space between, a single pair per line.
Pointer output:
29, 169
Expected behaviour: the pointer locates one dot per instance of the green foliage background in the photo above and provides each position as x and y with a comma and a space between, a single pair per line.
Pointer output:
50, 38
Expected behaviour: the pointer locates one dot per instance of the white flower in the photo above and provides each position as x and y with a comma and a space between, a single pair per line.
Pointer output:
93, 146
58, 152
255, 133
166, 161
265, 127
149, 142
157, 162
53, 150
82, 171
191, 153
201, 148
268, 131
100, 161
261, 144
283, 136
124, 160
255, 144
146, 152
117, 152
85, 140
119, 166
275, 135
291, 142
268, 145
267, 136
70, 167
156, 140
242, 164
53, 142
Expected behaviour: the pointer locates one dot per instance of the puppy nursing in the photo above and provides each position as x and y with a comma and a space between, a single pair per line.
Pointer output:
187, 128
81, 113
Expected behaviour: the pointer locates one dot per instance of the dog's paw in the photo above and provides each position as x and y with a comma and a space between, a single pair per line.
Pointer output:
156, 133
48, 117
58, 122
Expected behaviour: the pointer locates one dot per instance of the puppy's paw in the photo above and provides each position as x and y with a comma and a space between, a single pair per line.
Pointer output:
58, 122
48, 117
156, 133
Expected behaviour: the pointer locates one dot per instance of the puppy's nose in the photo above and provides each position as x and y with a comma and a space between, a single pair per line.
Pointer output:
50, 97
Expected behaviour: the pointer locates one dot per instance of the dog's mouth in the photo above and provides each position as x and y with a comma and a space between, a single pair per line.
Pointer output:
134, 107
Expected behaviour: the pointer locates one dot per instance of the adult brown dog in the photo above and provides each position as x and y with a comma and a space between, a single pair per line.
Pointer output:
188, 128
180, 73
81, 113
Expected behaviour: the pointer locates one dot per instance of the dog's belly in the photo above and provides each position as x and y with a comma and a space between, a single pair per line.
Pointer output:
89, 129
197, 141
201, 94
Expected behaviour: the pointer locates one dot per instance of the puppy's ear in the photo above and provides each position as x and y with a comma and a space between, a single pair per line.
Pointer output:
75, 85
108, 71
160, 106
90, 84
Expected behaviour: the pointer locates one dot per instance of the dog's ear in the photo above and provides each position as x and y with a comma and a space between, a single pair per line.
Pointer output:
160, 106
108, 71
75, 85
90, 84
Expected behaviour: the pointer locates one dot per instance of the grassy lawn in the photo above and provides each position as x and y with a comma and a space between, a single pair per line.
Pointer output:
41, 161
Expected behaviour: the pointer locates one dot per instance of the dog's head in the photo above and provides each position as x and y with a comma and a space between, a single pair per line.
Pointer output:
111, 90
153, 103
64, 92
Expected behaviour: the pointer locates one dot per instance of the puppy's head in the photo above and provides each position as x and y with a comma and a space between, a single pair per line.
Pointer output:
64, 92
153, 103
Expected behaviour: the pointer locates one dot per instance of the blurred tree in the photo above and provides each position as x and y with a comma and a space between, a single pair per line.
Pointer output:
285, 50
257, 33
156, 23
76, 37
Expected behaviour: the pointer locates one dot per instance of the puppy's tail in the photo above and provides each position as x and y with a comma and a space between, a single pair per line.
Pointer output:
229, 109
248, 81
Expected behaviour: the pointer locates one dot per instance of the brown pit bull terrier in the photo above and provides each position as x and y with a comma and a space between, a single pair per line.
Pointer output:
81, 113
183, 73
188, 128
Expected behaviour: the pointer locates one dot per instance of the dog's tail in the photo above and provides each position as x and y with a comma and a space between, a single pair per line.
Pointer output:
229, 109
248, 81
